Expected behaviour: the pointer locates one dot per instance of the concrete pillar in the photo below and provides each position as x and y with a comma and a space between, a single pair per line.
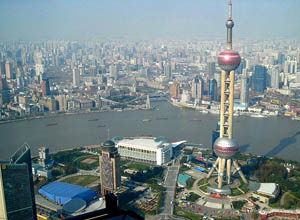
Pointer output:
231, 103
221, 172
213, 168
222, 104
235, 164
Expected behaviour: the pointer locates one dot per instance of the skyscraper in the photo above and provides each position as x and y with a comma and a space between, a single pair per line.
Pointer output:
275, 78
259, 78
114, 71
211, 69
225, 146
109, 164
168, 70
4, 91
45, 87
39, 69
76, 78
290, 65
16, 187
213, 89
8, 70
174, 90
44, 157
244, 88
62, 102
298, 77
197, 88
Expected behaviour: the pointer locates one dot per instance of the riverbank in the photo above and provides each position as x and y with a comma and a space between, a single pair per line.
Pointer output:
61, 114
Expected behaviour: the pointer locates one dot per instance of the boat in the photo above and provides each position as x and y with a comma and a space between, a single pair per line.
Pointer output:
216, 112
146, 120
101, 126
196, 119
258, 116
236, 114
161, 118
51, 124
204, 111
94, 119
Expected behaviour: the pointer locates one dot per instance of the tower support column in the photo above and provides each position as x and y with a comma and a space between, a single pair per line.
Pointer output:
235, 164
228, 171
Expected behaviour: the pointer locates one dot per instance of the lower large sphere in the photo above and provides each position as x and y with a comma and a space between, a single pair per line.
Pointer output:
229, 60
225, 147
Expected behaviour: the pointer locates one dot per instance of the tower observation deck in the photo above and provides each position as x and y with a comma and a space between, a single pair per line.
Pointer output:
225, 146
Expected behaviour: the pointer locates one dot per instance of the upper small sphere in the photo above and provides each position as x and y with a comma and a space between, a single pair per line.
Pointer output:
225, 147
229, 24
229, 60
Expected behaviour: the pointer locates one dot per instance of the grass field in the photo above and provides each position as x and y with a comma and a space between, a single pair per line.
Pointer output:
81, 180
136, 166
180, 212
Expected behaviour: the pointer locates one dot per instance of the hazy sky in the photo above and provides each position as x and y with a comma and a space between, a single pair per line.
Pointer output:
86, 19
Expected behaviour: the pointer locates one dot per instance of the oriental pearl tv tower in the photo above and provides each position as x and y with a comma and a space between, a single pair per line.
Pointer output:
225, 146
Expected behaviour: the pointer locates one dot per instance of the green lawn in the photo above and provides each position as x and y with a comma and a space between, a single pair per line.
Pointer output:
180, 212
136, 166
202, 181
81, 180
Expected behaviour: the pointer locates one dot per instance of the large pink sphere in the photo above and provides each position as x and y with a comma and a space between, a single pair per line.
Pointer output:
225, 147
229, 60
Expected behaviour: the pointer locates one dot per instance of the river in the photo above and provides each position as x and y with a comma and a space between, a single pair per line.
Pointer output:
274, 136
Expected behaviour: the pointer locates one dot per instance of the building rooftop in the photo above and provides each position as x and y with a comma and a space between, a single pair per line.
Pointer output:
62, 192
268, 189
182, 179
144, 142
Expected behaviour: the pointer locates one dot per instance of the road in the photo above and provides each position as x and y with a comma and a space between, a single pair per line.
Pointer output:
169, 191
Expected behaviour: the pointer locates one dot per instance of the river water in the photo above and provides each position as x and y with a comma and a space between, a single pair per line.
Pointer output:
274, 136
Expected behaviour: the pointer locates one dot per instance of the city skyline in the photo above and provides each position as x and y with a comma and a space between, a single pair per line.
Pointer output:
36, 20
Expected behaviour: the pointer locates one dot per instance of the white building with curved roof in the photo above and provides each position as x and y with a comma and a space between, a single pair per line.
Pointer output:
151, 150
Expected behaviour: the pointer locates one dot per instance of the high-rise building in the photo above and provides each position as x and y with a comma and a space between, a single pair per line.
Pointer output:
44, 156
259, 78
225, 146
45, 87
168, 70
290, 65
197, 88
76, 78
114, 71
275, 78
211, 69
298, 77
109, 164
16, 187
213, 89
4, 91
244, 98
62, 102
217, 77
3, 83
39, 69
174, 90
8, 70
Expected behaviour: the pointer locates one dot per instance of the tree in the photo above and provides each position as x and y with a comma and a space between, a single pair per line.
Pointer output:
69, 169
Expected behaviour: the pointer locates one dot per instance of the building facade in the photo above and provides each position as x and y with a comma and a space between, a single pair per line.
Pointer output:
109, 164
150, 150
244, 98
259, 78
17, 199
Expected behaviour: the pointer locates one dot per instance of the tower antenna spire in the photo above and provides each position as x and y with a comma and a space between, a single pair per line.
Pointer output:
230, 10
